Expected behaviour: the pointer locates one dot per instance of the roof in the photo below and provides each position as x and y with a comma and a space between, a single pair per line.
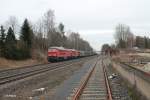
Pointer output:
71, 49
59, 48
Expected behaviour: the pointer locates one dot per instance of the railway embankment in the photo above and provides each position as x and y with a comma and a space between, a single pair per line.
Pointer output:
136, 78
36, 81
99, 83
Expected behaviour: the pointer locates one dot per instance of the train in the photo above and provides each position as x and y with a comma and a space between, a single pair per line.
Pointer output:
56, 54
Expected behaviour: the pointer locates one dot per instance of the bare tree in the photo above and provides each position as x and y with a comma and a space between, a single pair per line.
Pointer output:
40, 40
13, 23
38, 28
76, 42
130, 40
74, 38
49, 25
123, 36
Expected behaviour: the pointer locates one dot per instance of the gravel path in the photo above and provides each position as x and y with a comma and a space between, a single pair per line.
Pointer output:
119, 90
142, 85
63, 91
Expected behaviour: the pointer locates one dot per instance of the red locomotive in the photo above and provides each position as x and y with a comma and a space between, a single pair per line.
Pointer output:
60, 53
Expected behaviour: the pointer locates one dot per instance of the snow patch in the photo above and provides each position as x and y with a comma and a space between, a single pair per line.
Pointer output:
10, 95
147, 67
39, 90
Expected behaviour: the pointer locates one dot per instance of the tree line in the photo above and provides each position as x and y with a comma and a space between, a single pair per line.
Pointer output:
125, 39
13, 48
32, 40
142, 42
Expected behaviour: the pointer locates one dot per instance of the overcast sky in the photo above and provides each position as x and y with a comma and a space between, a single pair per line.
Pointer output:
95, 20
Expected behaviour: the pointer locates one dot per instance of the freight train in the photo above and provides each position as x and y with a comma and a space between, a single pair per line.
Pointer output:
60, 54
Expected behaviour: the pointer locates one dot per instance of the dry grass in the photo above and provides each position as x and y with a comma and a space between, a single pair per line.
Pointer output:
134, 57
128, 57
144, 54
4, 63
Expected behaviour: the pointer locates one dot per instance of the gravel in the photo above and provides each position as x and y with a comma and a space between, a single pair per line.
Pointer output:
38, 85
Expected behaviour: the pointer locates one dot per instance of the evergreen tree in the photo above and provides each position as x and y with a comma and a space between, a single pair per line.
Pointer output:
2, 41
61, 28
10, 44
26, 34
26, 38
10, 38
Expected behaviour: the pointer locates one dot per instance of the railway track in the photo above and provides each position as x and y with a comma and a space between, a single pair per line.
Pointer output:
94, 86
118, 87
10, 75
144, 75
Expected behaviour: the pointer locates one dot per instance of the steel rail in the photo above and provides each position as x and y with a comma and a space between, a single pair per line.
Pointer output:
107, 83
36, 65
87, 77
29, 69
82, 86
23, 75
28, 74
139, 70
